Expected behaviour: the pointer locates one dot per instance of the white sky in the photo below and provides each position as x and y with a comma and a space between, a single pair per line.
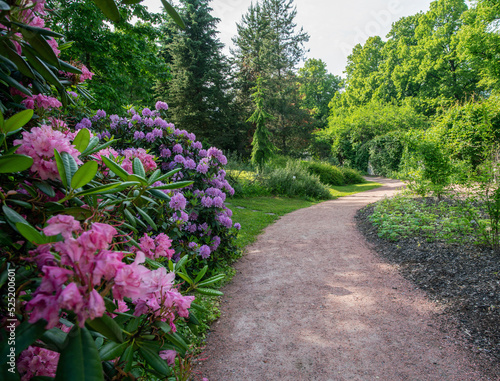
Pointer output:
334, 26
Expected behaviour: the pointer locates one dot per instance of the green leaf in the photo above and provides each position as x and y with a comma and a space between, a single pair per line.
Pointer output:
211, 280
36, 30
178, 341
12, 216
55, 338
107, 327
108, 188
127, 359
4, 6
130, 217
44, 71
147, 218
21, 64
18, 120
84, 174
141, 179
138, 168
197, 307
45, 188
94, 141
41, 46
181, 263
30, 233
155, 361
78, 212
173, 13
209, 291
201, 274
15, 163
60, 168
176, 185
100, 147
185, 277
193, 319
153, 178
12, 82
79, 361
67, 67
168, 174
159, 194
109, 8
70, 166
112, 350
26, 334
82, 140
115, 168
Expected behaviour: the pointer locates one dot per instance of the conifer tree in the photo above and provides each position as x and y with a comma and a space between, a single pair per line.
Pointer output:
198, 94
262, 149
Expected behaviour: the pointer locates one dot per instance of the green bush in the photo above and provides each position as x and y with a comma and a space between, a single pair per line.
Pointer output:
328, 174
352, 176
386, 152
295, 181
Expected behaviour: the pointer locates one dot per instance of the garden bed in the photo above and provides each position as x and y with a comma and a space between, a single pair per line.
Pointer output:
463, 278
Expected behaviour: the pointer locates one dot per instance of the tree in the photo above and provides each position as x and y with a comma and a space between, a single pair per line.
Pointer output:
124, 57
262, 147
198, 93
269, 46
480, 41
317, 88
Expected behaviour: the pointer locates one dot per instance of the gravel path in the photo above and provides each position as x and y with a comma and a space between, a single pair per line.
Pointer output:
311, 301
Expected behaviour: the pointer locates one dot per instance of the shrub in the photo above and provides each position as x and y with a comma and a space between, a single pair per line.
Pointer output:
295, 181
328, 174
386, 152
352, 176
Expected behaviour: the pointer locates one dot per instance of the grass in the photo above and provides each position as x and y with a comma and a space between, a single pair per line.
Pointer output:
255, 217
346, 190
256, 213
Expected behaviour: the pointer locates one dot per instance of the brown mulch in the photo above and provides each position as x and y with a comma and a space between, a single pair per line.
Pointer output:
463, 278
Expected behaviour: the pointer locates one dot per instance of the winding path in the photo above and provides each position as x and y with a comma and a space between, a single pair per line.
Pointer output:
311, 301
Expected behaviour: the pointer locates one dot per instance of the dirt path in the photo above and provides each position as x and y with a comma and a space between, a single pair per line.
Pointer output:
311, 301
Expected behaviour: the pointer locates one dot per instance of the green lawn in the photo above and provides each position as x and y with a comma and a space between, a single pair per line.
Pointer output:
256, 213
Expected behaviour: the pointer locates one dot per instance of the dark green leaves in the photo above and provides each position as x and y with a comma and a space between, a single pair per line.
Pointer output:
109, 8
15, 163
79, 361
84, 174
173, 13
107, 327
82, 140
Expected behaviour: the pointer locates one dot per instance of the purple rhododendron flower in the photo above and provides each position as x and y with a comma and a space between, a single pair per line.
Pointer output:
237, 225
146, 112
165, 152
177, 148
178, 202
205, 251
179, 159
161, 106
136, 118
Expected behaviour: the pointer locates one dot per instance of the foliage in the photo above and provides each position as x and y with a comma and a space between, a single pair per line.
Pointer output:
351, 131
295, 181
268, 46
328, 174
386, 152
317, 88
91, 272
199, 93
347, 190
262, 149
201, 220
352, 176
123, 56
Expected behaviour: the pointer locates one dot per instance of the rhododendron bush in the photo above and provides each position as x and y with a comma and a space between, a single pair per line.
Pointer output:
105, 243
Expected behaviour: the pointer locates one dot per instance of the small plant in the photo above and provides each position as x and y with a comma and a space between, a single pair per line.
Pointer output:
328, 174
352, 176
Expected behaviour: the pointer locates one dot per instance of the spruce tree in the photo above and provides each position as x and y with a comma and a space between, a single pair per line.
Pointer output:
262, 149
198, 94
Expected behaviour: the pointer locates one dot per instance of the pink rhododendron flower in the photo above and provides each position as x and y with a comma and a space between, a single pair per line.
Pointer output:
62, 224
41, 101
157, 247
168, 355
146, 159
36, 361
40, 143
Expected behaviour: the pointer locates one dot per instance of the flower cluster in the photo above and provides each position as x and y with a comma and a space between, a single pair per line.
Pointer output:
40, 143
86, 263
197, 213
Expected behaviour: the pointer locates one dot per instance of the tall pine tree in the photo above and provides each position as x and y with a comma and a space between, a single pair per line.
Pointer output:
198, 94
268, 45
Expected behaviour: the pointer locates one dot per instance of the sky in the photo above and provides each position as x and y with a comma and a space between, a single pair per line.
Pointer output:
334, 26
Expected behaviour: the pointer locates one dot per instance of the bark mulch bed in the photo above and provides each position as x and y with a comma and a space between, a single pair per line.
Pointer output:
464, 279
